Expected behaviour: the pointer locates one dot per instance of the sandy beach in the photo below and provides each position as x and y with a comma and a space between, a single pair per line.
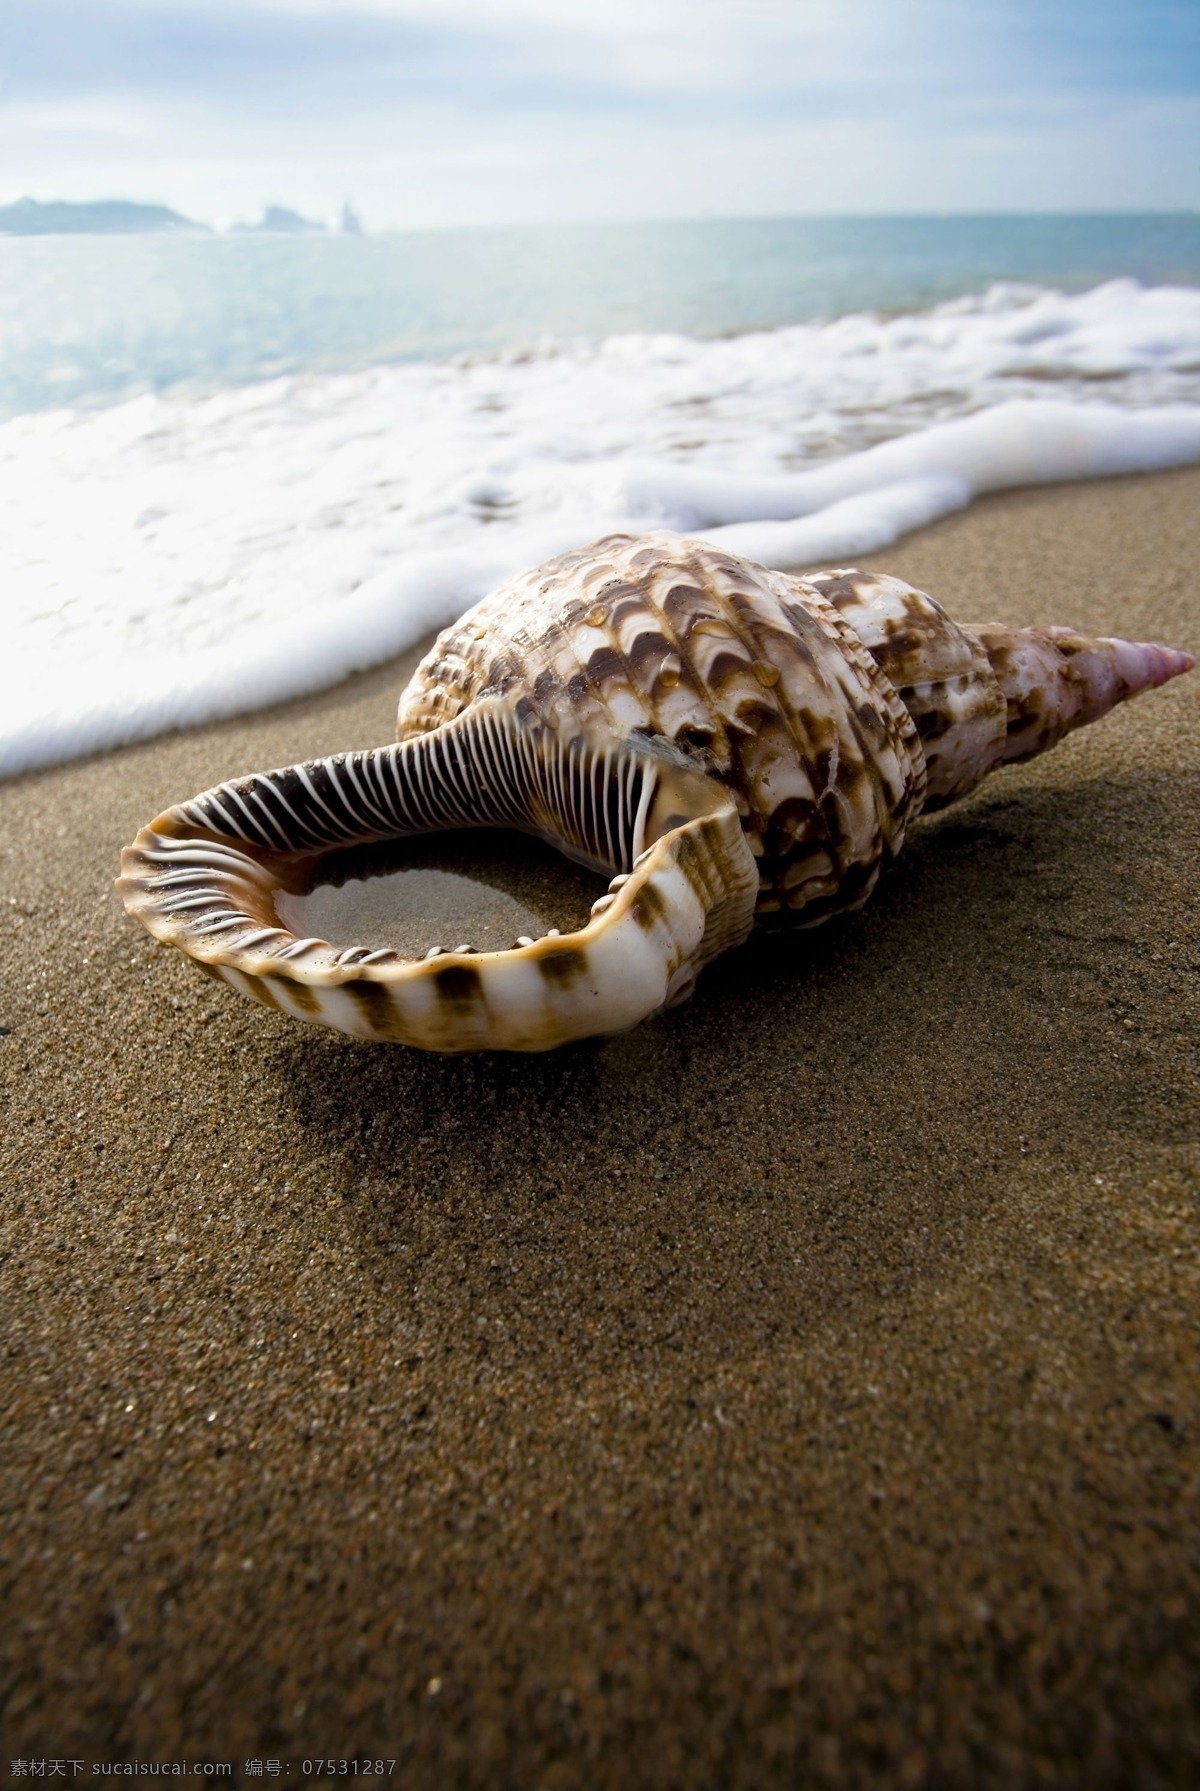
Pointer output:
802, 1390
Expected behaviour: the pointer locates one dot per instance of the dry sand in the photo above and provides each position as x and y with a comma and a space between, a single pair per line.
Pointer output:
801, 1390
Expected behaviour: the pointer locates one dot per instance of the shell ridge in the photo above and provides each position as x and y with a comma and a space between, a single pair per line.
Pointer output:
893, 812
588, 683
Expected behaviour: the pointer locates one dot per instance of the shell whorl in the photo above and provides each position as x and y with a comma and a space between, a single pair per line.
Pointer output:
754, 675
733, 743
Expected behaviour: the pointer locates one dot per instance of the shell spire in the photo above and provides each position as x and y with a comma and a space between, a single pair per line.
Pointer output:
737, 745
984, 694
1054, 680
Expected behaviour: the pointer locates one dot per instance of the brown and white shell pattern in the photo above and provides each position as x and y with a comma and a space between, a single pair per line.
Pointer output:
754, 675
728, 743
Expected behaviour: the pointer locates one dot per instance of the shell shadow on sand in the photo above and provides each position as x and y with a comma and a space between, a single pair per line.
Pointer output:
1010, 921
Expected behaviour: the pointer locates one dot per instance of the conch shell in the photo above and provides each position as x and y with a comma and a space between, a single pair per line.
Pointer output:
732, 745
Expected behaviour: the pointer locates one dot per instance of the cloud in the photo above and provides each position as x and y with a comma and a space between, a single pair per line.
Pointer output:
604, 107
521, 53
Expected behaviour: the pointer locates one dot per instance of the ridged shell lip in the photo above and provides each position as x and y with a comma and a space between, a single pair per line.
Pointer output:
204, 876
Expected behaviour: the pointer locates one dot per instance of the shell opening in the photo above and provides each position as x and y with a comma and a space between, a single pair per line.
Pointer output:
215, 876
486, 887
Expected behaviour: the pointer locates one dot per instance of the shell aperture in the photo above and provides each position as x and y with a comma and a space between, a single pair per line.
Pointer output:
729, 745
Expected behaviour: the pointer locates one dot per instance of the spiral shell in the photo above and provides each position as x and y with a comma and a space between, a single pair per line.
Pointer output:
735, 744
754, 676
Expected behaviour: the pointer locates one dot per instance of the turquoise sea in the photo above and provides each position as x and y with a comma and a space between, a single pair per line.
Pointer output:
90, 320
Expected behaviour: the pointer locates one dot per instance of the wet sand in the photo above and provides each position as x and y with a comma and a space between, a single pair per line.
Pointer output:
801, 1390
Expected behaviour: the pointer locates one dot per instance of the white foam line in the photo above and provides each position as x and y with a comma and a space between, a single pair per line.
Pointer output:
911, 481
170, 562
856, 505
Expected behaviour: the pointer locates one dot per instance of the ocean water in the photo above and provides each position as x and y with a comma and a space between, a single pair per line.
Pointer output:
233, 469
90, 320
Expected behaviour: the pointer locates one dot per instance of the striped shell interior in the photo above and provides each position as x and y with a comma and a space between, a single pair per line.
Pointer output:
205, 876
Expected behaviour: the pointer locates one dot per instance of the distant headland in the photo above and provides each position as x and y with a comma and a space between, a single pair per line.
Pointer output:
104, 217
124, 217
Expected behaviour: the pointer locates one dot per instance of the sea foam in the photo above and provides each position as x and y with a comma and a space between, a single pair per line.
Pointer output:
175, 559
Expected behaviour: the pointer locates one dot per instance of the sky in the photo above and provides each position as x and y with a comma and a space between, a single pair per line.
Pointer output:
450, 112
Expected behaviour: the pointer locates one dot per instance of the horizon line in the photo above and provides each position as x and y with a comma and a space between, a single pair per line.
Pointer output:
869, 215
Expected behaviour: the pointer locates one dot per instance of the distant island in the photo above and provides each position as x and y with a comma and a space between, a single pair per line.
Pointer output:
123, 217
101, 217
278, 220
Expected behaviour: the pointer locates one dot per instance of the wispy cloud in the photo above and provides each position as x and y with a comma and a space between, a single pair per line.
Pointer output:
460, 110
